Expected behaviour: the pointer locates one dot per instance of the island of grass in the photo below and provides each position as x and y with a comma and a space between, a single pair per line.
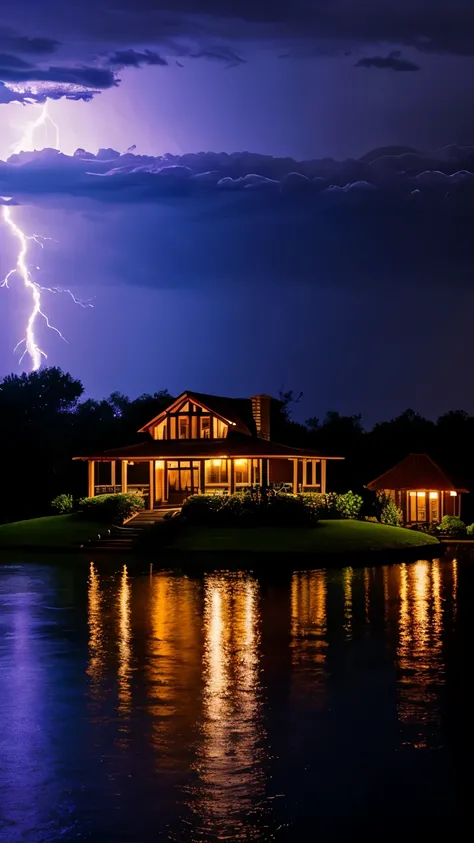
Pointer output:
61, 532
331, 538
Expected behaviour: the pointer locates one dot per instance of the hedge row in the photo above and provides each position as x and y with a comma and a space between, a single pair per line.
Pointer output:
259, 507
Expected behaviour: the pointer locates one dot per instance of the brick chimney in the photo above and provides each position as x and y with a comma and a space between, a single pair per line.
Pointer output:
261, 415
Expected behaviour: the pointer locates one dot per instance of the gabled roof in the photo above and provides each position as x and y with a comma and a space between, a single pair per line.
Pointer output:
235, 446
236, 411
416, 471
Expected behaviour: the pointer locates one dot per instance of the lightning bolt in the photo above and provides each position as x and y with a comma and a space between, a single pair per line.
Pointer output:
44, 119
22, 270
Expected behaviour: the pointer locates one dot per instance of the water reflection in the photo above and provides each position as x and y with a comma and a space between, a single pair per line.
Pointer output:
420, 653
227, 799
231, 707
97, 651
124, 668
309, 618
173, 665
348, 575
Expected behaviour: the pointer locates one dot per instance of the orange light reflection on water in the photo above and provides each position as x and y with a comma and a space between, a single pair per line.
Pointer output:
95, 667
124, 643
228, 763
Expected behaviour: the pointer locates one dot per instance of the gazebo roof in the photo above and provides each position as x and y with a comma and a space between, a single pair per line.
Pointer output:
415, 471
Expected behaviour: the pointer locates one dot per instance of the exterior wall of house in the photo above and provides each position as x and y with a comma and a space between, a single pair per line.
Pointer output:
425, 506
160, 480
280, 471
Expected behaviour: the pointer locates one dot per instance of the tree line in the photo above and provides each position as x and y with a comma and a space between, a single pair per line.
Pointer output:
45, 421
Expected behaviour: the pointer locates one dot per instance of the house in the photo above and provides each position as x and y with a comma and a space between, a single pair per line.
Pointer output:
205, 443
421, 489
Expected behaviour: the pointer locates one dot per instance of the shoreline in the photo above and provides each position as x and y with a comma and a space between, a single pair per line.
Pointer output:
170, 558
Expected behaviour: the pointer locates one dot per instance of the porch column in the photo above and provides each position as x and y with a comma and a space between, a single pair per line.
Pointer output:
232, 477
295, 477
323, 477
124, 477
112, 474
202, 476
90, 478
151, 483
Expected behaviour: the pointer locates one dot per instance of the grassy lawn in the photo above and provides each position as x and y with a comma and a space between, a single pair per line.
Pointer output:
328, 537
53, 531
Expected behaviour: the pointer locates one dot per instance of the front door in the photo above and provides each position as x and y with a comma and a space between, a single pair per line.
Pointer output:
183, 480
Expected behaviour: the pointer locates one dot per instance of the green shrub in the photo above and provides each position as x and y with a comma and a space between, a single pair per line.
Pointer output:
451, 525
202, 509
387, 510
63, 504
250, 508
470, 530
111, 509
331, 505
349, 505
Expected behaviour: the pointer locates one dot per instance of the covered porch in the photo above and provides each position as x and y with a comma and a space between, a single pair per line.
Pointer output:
171, 481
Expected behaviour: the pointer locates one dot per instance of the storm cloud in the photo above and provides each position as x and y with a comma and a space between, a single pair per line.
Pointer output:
255, 217
382, 175
394, 61
430, 25
150, 32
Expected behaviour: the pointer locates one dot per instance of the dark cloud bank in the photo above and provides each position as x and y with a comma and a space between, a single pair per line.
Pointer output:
92, 42
395, 212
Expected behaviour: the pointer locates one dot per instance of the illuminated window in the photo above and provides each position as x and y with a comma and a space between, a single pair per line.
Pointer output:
216, 472
159, 431
183, 427
219, 429
205, 427
256, 472
241, 471
417, 506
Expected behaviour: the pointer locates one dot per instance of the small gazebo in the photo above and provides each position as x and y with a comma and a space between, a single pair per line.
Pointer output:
421, 489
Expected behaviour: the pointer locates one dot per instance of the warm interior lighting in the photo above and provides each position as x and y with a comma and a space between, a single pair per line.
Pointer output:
433, 496
216, 463
130, 462
241, 463
420, 494
159, 464
453, 494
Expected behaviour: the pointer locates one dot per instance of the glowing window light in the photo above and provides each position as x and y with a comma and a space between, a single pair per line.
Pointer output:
216, 463
433, 496
241, 463
453, 494
159, 464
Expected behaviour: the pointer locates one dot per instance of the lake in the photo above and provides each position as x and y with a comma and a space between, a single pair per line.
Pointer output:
157, 706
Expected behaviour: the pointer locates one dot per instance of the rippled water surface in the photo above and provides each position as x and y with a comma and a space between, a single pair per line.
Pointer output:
151, 707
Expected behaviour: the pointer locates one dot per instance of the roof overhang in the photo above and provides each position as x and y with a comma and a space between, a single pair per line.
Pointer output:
186, 457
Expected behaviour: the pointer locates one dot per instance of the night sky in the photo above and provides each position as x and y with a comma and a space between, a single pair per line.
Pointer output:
320, 243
